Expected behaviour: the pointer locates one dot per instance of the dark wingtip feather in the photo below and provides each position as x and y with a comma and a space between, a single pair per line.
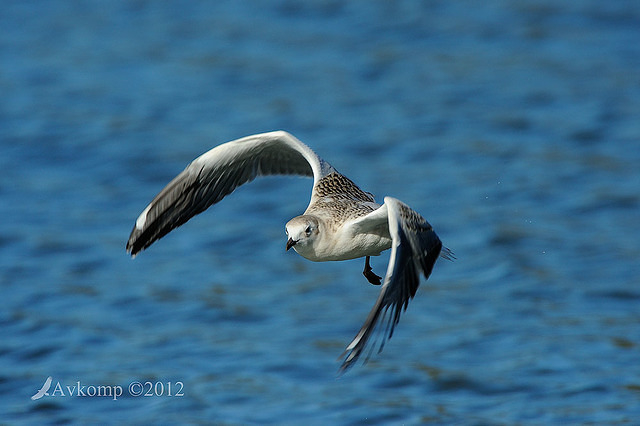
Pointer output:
134, 245
448, 254
140, 239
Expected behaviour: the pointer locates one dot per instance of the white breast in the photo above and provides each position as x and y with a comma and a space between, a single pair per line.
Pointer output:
344, 247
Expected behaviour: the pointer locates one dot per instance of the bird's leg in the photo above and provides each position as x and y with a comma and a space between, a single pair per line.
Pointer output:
369, 275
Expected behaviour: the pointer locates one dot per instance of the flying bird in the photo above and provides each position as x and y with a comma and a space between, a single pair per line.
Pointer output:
44, 390
341, 222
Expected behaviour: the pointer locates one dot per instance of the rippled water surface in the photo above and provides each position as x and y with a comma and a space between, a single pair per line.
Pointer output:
512, 126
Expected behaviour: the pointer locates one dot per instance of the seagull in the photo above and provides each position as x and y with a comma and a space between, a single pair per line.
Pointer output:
341, 222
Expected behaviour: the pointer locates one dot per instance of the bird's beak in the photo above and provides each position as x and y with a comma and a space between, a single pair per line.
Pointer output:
290, 243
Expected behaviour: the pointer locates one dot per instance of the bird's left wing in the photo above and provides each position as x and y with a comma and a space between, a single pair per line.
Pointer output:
414, 250
217, 173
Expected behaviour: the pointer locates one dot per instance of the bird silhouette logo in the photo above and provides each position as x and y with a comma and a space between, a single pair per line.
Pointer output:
44, 390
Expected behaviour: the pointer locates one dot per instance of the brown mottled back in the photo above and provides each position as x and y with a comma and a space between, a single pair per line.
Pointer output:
340, 187
337, 194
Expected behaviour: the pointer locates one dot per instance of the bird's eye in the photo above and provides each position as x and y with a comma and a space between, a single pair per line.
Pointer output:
307, 230
286, 231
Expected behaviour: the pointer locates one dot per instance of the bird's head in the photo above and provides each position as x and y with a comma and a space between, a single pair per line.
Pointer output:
302, 232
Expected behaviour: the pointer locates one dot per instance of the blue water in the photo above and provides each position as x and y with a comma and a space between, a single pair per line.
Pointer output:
512, 126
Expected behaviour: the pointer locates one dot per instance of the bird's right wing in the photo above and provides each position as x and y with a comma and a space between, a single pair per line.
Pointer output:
217, 173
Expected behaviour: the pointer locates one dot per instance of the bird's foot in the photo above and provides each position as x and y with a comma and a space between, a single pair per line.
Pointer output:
369, 275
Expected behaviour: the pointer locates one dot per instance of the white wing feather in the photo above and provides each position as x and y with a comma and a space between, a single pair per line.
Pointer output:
217, 173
